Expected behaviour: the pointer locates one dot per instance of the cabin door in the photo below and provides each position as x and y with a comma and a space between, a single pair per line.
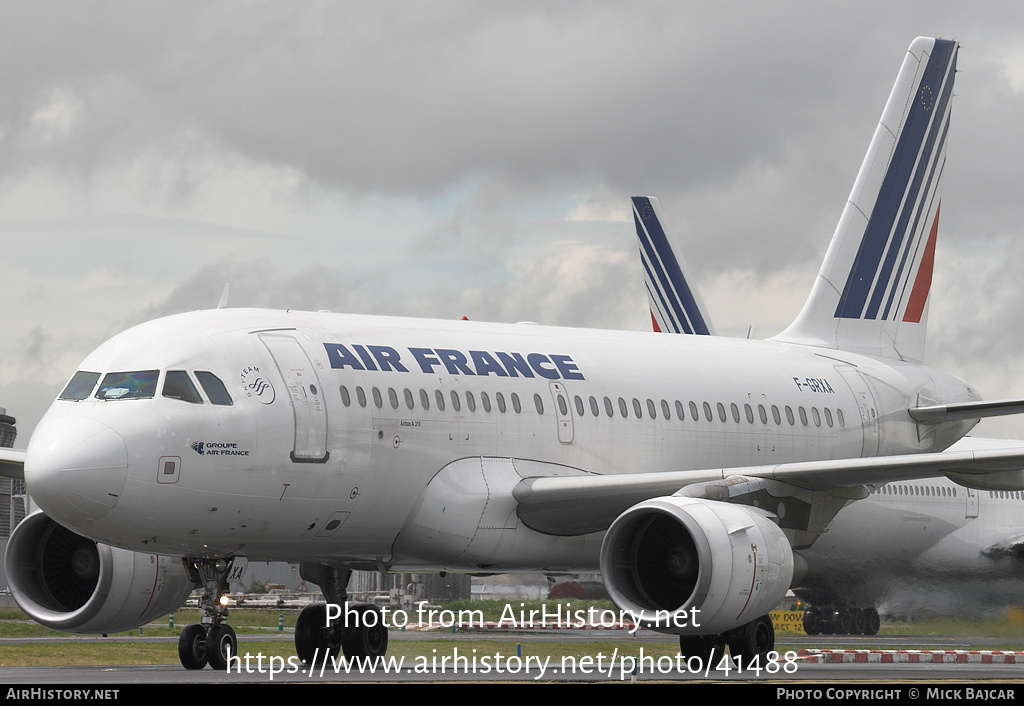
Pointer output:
306, 396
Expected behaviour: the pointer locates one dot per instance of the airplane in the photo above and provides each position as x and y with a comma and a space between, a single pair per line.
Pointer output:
699, 473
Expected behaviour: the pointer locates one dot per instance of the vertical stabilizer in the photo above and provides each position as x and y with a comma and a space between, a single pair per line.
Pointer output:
871, 294
676, 306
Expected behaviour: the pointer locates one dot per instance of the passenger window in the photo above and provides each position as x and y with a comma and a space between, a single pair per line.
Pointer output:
815, 416
636, 409
346, 399
608, 408
456, 403
517, 406
749, 412
377, 399
789, 415
485, 401
579, 406
721, 411
139, 384
407, 393
393, 398
775, 415
500, 399
470, 401
666, 411
439, 398
828, 416
651, 409
563, 408
178, 386
214, 388
539, 404
622, 408
735, 412
839, 416
694, 414
80, 387
361, 396
707, 412
803, 415
424, 399
762, 413
680, 412
594, 409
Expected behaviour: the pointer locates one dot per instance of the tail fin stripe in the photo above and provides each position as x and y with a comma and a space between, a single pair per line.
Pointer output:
923, 283
665, 271
922, 128
925, 209
929, 159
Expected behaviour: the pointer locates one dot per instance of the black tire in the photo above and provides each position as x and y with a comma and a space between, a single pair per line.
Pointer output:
313, 640
192, 647
812, 621
365, 640
858, 624
754, 640
223, 645
704, 647
871, 621
842, 620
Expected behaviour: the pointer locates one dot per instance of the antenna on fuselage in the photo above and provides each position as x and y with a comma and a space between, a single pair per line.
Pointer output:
224, 296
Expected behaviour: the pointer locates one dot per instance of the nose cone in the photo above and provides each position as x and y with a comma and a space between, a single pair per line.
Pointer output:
75, 469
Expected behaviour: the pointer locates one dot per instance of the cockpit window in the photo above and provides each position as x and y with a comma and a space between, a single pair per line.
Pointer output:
80, 387
178, 385
214, 388
134, 385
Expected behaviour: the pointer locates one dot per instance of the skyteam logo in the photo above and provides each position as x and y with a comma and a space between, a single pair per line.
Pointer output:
257, 385
197, 446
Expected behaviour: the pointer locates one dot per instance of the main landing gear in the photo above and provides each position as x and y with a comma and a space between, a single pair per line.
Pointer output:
358, 632
747, 643
212, 641
829, 620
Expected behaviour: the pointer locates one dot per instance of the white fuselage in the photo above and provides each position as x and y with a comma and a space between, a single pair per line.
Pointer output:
336, 429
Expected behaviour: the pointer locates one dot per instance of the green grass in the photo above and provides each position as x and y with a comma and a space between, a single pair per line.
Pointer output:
125, 648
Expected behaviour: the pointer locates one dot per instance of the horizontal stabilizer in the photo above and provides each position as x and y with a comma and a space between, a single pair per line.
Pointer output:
12, 464
938, 413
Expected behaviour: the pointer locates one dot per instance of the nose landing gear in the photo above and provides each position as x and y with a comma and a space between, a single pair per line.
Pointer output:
212, 641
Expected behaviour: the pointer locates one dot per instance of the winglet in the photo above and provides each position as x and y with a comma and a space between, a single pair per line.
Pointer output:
676, 306
871, 294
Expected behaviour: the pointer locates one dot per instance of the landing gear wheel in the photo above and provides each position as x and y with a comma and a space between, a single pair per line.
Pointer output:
221, 646
858, 623
842, 620
367, 639
812, 621
754, 640
871, 621
313, 640
704, 647
192, 647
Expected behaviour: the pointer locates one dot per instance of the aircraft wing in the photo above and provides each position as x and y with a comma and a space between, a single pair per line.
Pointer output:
578, 504
12, 464
938, 413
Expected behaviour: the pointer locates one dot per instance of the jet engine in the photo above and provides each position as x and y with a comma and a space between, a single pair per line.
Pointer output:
693, 566
73, 584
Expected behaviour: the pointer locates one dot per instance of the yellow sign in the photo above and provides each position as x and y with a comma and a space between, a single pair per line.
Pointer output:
791, 621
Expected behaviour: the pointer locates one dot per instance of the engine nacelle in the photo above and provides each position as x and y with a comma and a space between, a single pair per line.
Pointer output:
70, 583
665, 557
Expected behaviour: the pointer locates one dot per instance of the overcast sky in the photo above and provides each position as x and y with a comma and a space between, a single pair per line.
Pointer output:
476, 158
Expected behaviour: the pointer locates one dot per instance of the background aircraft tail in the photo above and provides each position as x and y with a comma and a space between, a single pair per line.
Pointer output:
676, 307
871, 294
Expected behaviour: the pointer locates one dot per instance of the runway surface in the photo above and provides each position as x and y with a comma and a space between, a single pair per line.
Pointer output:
462, 666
